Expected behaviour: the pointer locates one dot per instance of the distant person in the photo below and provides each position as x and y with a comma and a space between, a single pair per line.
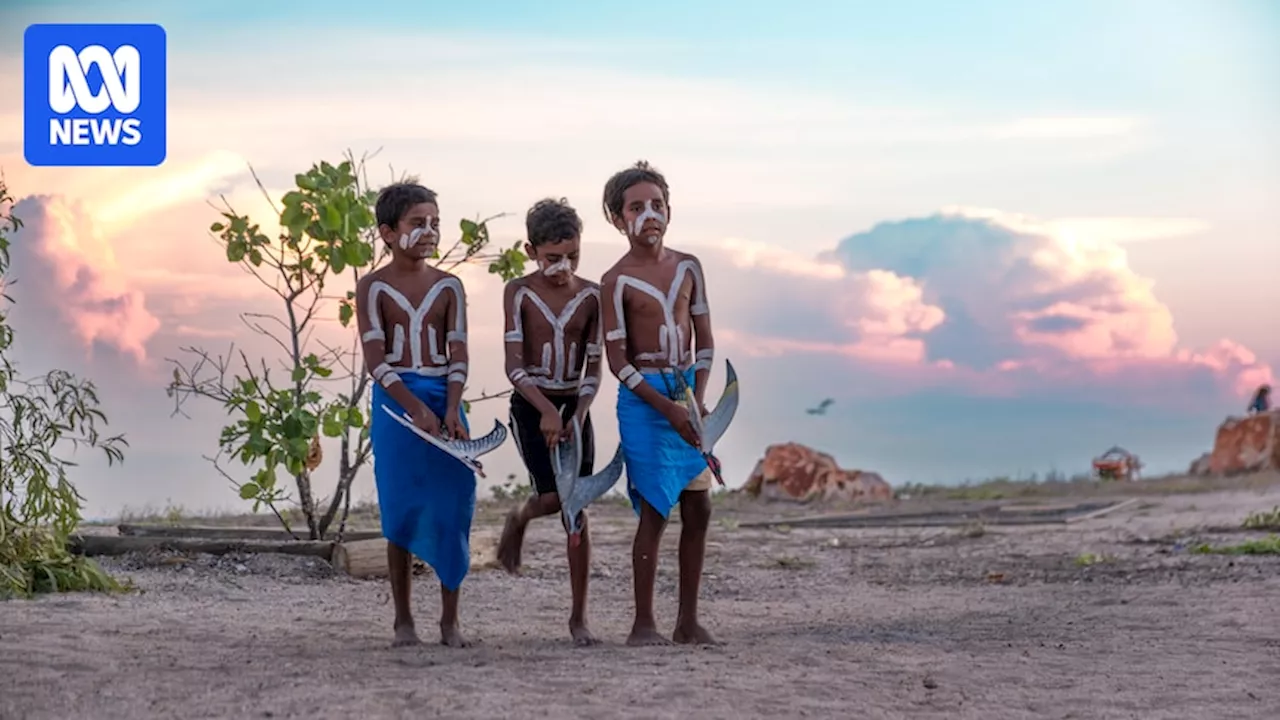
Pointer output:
1261, 400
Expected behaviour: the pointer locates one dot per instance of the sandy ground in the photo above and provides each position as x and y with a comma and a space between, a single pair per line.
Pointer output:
871, 623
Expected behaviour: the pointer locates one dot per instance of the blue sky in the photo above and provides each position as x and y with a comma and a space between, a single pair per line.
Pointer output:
1109, 169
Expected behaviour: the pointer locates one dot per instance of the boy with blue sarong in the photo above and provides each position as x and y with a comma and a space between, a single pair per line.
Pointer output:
412, 321
654, 303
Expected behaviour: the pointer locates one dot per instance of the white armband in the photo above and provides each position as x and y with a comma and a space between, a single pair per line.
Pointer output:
520, 377
593, 350
374, 334
513, 336
704, 358
386, 375
458, 372
630, 376
615, 335
699, 308
456, 336
588, 386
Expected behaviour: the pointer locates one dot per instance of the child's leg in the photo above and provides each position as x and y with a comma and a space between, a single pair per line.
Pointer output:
449, 633
644, 561
537, 459
400, 565
579, 569
695, 517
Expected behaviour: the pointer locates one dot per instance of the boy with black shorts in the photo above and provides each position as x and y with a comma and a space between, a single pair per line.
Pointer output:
553, 359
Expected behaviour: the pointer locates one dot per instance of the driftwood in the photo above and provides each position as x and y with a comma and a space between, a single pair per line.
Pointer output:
368, 558
92, 545
988, 515
227, 533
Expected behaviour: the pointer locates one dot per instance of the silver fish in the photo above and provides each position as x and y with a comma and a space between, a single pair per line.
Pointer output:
465, 451
575, 492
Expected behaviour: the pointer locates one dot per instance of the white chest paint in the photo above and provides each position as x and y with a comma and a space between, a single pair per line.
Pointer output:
671, 339
558, 369
411, 337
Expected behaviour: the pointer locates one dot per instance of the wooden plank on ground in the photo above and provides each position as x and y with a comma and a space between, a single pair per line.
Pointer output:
1101, 511
224, 533
92, 545
995, 515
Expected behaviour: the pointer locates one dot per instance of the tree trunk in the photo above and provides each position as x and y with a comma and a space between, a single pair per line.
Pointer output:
344, 484
308, 502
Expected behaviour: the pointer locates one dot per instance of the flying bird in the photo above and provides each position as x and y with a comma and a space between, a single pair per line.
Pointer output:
821, 409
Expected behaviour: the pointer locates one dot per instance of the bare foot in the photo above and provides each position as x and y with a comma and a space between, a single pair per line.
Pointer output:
405, 636
582, 637
694, 634
450, 636
510, 544
645, 636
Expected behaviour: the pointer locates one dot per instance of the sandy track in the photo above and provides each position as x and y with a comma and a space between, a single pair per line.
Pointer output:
900, 623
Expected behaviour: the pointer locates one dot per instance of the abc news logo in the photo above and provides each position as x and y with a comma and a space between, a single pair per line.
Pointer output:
69, 89
94, 95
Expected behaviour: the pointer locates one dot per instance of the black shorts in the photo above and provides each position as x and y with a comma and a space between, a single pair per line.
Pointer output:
525, 419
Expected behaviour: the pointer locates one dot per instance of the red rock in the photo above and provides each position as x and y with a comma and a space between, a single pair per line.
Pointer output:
1247, 444
791, 471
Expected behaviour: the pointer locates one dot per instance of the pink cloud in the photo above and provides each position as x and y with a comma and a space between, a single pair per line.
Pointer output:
994, 303
66, 269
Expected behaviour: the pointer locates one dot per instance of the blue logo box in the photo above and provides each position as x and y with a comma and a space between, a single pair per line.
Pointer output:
94, 95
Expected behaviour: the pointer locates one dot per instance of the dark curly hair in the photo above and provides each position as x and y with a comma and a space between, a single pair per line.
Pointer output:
395, 200
617, 186
550, 221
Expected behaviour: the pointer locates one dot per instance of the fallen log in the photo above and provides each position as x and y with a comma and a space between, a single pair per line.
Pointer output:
368, 558
231, 533
97, 545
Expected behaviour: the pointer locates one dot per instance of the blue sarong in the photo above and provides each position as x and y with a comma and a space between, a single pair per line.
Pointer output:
426, 497
660, 464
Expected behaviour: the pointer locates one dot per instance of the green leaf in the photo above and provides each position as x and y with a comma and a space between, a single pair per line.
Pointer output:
253, 412
249, 491
330, 218
337, 263
298, 374
236, 250
345, 312
355, 418
217, 227
332, 427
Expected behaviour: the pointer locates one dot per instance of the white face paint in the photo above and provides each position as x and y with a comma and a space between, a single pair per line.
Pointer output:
637, 226
558, 268
410, 239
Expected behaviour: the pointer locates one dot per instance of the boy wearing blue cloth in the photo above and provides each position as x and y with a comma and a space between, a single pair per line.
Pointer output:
653, 305
412, 321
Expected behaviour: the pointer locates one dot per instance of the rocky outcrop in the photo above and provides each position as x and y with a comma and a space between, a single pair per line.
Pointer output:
1201, 465
1247, 444
791, 471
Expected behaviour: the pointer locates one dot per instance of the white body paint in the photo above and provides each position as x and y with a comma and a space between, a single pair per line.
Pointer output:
671, 339
557, 370
412, 337
649, 214
409, 239
558, 268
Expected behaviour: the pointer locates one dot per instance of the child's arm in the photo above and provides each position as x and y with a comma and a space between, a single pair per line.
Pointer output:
374, 348
513, 341
704, 343
455, 326
592, 370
